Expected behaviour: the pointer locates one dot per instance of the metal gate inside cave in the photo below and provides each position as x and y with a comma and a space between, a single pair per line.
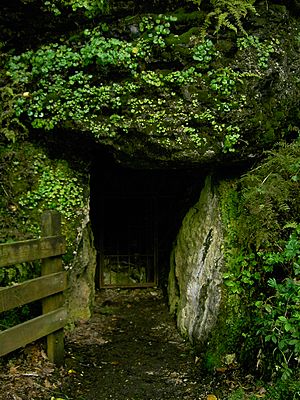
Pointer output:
127, 255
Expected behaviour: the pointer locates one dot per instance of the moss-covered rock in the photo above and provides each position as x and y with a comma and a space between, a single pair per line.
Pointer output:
159, 92
81, 292
195, 280
257, 284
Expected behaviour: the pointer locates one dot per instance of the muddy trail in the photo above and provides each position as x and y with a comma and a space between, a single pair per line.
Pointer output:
132, 351
129, 350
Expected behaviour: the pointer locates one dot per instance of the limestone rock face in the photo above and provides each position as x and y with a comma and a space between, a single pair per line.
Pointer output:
196, 268
82, 275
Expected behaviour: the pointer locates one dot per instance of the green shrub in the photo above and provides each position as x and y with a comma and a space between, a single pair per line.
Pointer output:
262, 251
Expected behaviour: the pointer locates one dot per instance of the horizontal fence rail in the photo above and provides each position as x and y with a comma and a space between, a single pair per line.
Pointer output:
30, 250
20, 335
32, 290
49, 288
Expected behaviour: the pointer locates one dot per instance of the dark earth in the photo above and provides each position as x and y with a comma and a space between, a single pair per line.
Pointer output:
129, 350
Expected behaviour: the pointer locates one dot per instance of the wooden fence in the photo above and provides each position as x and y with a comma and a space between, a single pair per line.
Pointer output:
48, 287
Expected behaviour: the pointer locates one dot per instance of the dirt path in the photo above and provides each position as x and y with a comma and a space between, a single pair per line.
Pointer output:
129, 350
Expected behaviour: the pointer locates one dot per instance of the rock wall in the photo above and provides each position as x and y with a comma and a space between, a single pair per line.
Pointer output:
81, 293
196, 268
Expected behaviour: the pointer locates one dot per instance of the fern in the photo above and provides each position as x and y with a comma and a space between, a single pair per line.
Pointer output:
271, 197
228, 14
222, 20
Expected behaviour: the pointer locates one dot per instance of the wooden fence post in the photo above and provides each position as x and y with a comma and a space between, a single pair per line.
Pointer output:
51, 226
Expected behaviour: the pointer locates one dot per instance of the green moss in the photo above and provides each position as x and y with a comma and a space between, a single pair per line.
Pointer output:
189, 17
225, 46
184, 38
225, 339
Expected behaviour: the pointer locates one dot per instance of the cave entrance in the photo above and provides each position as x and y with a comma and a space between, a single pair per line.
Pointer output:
136, 215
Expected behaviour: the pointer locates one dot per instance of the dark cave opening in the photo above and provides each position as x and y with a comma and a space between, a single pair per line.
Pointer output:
136, 215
